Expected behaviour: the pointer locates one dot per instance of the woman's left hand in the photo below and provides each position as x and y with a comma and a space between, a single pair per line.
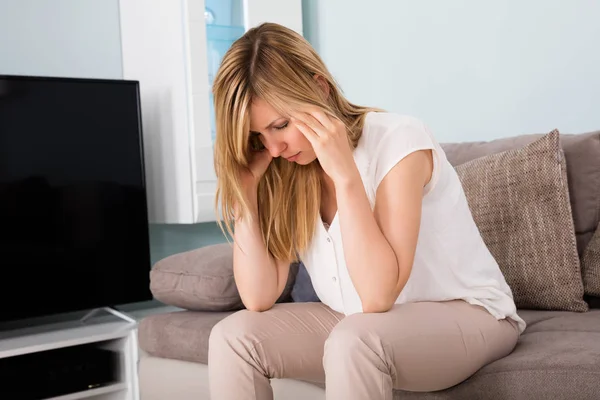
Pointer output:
329, 139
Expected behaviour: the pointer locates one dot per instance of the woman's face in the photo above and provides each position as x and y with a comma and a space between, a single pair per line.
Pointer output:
278, 135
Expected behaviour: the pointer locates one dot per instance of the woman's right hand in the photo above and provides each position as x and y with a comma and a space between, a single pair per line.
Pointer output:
259, 162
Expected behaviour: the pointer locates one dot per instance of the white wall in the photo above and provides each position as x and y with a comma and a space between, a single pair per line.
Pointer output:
77, 38
472, 69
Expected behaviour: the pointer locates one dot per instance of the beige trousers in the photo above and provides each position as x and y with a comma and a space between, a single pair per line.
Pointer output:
416, 347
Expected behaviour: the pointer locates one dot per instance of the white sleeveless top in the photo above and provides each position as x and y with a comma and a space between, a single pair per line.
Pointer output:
451, 261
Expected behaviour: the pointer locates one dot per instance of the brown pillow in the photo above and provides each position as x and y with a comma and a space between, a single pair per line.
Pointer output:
520, 202
582, 153
202, 280
591, 265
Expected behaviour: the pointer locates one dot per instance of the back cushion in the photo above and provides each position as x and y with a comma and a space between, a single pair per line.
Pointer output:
582, 153
520, 202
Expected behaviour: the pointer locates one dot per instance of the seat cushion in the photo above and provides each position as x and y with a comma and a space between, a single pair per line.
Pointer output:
557, 357
179, 335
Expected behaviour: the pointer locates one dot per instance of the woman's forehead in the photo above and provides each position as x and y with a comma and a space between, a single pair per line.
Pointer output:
262, 114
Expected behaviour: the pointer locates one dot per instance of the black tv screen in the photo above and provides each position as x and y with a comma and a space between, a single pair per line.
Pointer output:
73, 210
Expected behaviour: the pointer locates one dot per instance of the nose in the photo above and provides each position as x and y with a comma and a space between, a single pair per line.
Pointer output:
276, 148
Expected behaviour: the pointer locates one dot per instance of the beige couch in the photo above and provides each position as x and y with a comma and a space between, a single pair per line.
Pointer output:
536, 200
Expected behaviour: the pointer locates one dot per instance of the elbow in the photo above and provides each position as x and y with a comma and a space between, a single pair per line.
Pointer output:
380, 301
377, 305
258, 305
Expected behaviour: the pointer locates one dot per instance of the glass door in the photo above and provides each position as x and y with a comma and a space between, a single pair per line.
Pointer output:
224, 24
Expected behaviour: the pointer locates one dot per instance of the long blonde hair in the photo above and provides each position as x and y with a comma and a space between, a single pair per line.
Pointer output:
277, 65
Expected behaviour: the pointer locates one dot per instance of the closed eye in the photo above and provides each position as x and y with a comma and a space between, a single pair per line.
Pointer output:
281, 126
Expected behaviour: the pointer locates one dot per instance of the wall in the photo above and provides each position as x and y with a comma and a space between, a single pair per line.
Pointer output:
60, 38
473, 70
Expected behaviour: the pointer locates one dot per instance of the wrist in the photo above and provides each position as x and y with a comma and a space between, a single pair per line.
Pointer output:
251, 211
251, 196
347, 181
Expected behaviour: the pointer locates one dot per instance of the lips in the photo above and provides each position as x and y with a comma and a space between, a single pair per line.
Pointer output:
293, 158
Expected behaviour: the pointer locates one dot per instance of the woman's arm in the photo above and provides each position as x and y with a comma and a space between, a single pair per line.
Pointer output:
259, 278
379, 246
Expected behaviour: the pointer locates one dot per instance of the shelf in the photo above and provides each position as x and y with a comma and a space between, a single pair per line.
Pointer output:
36, 350
92, 392
41, 338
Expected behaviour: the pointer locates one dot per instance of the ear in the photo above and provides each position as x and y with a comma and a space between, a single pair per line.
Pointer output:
323, 84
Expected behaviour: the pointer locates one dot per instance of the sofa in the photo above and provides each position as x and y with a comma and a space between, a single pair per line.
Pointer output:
536, 200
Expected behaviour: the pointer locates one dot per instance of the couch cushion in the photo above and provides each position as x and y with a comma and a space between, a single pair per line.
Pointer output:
202, 280
591, 265
303, 290
582, 152
179, 335
557, 357
520, 202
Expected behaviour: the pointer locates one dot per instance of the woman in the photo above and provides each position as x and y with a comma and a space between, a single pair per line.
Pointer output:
411, 297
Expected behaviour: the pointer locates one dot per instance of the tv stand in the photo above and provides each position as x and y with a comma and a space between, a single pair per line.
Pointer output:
52, 357
109, 310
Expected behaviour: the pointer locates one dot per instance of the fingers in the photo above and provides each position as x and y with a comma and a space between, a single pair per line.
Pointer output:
323, 119
309, 121
317, 126
321, 123
306, 130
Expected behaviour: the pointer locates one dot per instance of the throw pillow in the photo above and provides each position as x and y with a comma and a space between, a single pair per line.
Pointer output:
591, 265
303, 290
520, 202
582, 154
202, 280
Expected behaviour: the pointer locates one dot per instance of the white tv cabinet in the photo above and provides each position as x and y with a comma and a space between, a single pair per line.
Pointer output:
117, 334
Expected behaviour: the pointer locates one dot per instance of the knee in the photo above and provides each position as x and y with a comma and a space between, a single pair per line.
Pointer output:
230, 333
351, 342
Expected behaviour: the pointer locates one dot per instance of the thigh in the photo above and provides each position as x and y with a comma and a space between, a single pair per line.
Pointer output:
286, 341
431, 346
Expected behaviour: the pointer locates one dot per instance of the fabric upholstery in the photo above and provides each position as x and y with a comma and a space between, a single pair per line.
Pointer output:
582, 153
557, 356
202, 280
179, 335
303, 290
520, 202
591, 265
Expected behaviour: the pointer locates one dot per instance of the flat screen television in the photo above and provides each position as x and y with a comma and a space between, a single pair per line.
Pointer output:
73, 209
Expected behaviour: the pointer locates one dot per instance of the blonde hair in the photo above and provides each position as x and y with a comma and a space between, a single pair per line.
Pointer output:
277, 65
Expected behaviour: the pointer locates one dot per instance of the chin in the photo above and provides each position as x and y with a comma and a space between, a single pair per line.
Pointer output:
305, 160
